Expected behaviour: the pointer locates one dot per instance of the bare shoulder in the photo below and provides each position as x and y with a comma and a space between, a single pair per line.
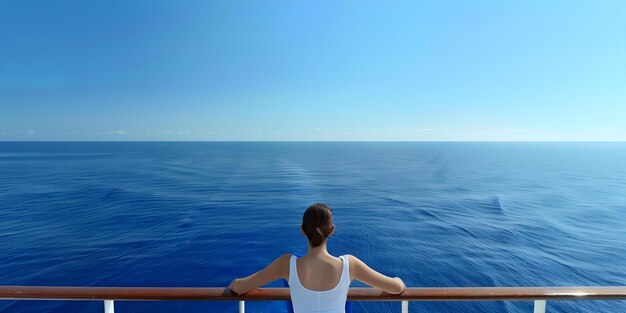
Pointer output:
355, 265
283, 260
353, 260
363, 273
285, 256
281, 265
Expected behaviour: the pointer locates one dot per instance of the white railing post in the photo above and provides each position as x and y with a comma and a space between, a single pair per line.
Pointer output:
540, 306
405, 306
108, 306
242, 306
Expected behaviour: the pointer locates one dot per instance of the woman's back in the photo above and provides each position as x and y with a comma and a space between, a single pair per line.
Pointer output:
306, 276
318, 281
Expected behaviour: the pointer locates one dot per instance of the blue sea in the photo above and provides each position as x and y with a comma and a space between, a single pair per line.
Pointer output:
199, 214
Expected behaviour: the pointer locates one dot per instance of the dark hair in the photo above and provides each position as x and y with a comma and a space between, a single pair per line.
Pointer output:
318, 215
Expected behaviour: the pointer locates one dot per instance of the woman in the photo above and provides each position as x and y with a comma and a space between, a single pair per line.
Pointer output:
318, 281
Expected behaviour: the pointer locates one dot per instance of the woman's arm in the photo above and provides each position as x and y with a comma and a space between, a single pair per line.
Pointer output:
362, 272
275, 270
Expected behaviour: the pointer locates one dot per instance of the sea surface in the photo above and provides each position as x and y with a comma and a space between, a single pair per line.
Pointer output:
199, 214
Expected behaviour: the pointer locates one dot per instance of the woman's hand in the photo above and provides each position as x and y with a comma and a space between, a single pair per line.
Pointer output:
233, 286
403, 285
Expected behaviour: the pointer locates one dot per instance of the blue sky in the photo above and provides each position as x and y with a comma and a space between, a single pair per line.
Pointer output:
318, 70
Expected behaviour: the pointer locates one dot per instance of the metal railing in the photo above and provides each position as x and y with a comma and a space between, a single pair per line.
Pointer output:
108, 294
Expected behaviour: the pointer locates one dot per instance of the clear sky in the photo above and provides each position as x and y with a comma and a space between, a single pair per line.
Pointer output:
318, 70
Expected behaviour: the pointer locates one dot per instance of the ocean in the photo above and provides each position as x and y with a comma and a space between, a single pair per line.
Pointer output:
199, 214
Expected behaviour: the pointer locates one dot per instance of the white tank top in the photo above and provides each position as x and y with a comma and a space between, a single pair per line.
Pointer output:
314, 301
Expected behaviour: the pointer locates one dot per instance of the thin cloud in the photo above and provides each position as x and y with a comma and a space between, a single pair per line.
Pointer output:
116, 132
170, 132
216, 132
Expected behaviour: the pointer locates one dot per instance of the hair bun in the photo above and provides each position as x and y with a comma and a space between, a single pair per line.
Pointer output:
317, 223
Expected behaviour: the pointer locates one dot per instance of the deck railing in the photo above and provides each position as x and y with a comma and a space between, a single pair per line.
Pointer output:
108, 294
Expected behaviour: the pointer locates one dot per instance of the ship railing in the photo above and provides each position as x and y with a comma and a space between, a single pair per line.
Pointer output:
540, 295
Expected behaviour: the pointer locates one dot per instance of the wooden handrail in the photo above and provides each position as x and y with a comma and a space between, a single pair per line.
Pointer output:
361, 294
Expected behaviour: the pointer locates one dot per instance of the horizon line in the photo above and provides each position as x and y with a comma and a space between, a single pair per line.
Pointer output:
573, 141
